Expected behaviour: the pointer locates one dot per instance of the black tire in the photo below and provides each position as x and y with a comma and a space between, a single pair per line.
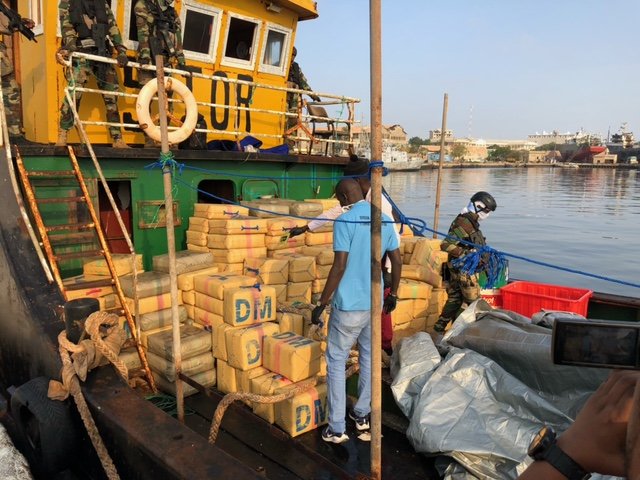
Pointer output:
46, 426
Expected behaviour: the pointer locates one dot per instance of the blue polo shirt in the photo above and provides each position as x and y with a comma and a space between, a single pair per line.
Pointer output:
354, 291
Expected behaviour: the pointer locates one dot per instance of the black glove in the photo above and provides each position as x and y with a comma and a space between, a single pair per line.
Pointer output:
122, 59
390, 303
295, 231
316, 314
315, 98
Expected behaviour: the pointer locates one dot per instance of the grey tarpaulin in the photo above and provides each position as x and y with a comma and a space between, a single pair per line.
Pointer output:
484, 402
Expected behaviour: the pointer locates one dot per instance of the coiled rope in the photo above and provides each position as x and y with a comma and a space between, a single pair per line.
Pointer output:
78, 360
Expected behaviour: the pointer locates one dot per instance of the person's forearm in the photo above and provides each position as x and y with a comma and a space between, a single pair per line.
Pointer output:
541, 469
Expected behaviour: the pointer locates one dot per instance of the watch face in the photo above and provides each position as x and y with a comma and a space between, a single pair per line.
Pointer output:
541, 442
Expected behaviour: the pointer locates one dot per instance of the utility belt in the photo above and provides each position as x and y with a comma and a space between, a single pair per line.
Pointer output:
88, 45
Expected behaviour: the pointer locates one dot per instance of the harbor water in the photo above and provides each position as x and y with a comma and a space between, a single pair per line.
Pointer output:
583, 219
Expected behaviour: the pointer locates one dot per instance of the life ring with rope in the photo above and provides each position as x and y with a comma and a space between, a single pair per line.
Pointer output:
144, 114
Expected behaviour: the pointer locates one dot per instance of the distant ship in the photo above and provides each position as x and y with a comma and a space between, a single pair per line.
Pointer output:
396, 160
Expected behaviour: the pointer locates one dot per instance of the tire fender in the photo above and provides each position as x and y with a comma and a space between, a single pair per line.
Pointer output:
143, 104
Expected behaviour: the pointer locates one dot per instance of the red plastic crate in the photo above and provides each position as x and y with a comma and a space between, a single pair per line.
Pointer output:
527, 298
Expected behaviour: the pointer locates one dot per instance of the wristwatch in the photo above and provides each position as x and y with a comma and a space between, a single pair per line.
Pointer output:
543, 447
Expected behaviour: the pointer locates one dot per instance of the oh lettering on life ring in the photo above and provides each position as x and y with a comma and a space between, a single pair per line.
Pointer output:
144, 114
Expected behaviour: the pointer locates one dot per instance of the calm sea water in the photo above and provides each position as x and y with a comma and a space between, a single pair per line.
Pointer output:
580, 219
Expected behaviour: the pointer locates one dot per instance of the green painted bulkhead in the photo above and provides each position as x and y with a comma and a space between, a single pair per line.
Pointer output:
138, 190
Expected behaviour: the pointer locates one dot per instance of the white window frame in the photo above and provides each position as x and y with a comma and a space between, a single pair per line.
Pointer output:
126, 25
235, 62
206, 9
35, 13
265, 68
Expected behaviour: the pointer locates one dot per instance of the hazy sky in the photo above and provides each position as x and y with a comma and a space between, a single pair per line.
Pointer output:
519, 66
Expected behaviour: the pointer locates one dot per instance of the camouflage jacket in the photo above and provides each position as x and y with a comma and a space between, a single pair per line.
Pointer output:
296, 76
170, 38
466, 227
71, 37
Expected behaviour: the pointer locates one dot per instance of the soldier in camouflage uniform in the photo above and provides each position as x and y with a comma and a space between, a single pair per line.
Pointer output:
296, 79
159, 32
87, 26
10, 88
466, 226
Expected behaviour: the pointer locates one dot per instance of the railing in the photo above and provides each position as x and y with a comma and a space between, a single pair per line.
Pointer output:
296, 130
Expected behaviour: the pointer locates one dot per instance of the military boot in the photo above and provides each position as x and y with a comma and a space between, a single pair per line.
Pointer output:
441, 325
62, 138
118, 142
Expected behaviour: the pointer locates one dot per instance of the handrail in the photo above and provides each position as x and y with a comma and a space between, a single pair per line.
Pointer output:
302, 118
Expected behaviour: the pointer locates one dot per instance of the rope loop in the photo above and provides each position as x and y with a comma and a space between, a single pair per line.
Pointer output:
378, 164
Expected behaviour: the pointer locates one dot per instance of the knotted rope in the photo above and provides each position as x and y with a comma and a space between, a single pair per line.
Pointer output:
78, 360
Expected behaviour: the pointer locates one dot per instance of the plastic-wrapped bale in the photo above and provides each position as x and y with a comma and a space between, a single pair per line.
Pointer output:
413, 289
238, 226
193, 341
198, 224
265, 209
247, 305
306, 209
292, 355
403, 314
123, 264
280, 252
304, 412
318, 238
420, 307
186, 262
197, 238
244, 377
207, 319
93, 292
215, 284
130, 357
191, 311
302, 268
197, 248
244, 345
237, 255
322, 271
437, 301
323, 255
146, 334
149, 284
152, 304
240, 241
219, 340
291, 322
267, 385
190, 366
409, 243
422, 250
221, 211
423, 273
161, 318
231, 268
109, 301
209, 304
299, 292
317, 286
206, 379
282, 225
281, 292
267, 271
227, 381
327, 203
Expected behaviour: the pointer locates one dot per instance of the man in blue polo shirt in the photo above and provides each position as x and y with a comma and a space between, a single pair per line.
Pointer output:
350, 319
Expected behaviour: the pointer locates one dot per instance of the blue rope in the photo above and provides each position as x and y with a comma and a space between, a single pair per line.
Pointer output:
483, 258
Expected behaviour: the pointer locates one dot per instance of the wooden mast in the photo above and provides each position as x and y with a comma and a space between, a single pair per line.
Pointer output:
171, 237
376, 248
436, 213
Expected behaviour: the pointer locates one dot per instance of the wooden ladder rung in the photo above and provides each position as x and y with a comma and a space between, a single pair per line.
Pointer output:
70, 226
43, 173
61, 200
75, 255
94, 284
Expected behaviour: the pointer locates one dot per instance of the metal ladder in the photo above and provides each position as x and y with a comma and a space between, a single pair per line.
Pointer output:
93, 225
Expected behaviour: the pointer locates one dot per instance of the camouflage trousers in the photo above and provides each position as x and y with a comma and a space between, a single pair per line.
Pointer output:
10, 94
462, 288
107, 80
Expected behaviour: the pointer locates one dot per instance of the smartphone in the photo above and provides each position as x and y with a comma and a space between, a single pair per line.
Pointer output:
596, 343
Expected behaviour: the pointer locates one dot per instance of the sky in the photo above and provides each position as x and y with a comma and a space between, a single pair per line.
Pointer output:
510, 67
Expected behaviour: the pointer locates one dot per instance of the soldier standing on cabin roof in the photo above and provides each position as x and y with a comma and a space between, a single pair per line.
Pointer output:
159, 33
88, 26
10, 88
296, 79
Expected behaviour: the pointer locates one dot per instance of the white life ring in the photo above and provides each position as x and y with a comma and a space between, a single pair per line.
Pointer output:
144, 115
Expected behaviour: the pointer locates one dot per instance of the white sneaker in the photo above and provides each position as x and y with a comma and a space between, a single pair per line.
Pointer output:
329, 435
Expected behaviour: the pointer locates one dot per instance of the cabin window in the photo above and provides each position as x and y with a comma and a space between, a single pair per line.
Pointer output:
273, 50
35, 14
211, 191
129, 30
241, 41
200, 27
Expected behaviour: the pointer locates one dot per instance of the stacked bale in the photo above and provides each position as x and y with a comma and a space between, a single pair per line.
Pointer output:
232, 240
97, 269
302, 273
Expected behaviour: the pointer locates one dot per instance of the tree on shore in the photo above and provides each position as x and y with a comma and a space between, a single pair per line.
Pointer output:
458, 151
416, 142
503, 154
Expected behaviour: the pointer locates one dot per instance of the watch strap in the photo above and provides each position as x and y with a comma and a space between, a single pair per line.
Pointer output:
566, 465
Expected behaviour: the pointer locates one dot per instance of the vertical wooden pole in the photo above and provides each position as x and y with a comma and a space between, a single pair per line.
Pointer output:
436, 213
376, 253
171, 238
